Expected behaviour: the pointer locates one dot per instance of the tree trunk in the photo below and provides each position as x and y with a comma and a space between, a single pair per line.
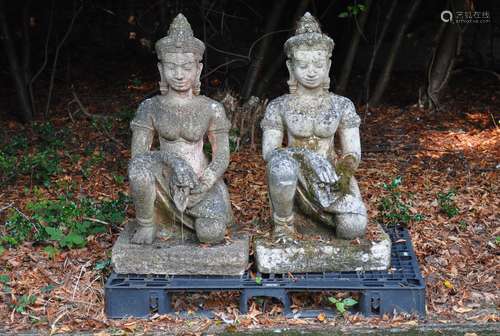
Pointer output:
378, 43
385, 75
25, 111
280, 61
448, 44
257, 61
353, 48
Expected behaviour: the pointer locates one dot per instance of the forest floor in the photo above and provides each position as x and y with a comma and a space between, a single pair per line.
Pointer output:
444, 167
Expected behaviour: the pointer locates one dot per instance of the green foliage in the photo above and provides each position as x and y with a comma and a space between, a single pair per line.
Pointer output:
42, 160
95, 158
342, 304
23, 302
65, 221
102, 265
447, 205
352, 11
4, 278
51, 251
41, 166
393, 208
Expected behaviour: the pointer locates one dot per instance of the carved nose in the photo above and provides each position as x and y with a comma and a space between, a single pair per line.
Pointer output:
178, 74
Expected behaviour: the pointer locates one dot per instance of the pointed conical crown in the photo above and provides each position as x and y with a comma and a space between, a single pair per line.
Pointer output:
308, 34
180, 39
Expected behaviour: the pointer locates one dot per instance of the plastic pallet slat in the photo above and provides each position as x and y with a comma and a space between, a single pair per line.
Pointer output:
401, 289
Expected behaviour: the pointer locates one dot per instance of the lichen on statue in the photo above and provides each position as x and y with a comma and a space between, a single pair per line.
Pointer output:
308, 175
179, 177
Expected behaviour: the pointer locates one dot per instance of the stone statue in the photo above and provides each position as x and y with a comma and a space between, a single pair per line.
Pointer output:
308, 175
178, 177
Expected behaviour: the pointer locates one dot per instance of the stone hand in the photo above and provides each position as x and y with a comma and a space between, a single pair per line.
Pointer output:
346, 168
206, 182
183, 176
323, 170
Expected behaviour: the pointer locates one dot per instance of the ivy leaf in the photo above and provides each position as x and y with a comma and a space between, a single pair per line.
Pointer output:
343, 15
340, 307
73, 239
349, 302
333, 300
54, 233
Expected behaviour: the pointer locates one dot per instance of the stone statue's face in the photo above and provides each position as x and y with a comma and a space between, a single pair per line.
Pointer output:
180, 70
310, 67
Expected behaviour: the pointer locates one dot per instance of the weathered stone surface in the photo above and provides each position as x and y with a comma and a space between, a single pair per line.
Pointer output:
313, 174
312, 255
175, 257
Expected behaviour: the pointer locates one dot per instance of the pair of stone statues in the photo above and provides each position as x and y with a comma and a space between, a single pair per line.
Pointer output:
190, 188
306, 177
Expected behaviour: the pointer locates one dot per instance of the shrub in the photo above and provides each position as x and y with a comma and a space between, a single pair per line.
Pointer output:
65, 221
447, 205
394, 208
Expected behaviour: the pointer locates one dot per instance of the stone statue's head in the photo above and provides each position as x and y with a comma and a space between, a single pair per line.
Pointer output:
308, 55
180, 55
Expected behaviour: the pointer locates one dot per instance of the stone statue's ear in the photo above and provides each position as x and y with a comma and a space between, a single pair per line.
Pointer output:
160, 69
289, 67
197, 82
200, 68
163, 83
326, 83
292, 82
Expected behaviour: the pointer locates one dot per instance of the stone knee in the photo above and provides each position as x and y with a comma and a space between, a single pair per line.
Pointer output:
350, 225
210, 230
142, 188
282, 175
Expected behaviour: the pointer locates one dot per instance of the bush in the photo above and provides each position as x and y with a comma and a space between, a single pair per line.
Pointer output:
65, 221
447, 205
395, 207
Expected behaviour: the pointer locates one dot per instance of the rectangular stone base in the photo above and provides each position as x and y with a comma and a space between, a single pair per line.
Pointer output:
176, 257
336, 255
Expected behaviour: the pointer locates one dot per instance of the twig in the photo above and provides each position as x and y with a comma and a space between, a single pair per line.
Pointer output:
78, 279
84, 111
95, 220
56, 57
46, 52
220, 66
6, 207
491, 72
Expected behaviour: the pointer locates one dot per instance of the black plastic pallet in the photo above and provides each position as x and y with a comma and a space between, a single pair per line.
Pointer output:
400, 289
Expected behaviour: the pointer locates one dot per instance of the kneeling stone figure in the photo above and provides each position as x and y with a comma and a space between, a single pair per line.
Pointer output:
307, 175
178, 177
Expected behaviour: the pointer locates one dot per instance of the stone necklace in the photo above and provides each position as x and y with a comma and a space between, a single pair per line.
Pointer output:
310, 107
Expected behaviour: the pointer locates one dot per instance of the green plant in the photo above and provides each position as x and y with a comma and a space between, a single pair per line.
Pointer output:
7, 167
394, 209
65, 221
102, 265
447, 205
50, 137
352, 10
41, 166
23, 302
342, 304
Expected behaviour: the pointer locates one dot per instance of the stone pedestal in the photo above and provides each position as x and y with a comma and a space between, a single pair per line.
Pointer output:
305, 254
174, 256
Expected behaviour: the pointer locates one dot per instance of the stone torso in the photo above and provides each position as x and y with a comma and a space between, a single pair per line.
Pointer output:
311, 122
180, 127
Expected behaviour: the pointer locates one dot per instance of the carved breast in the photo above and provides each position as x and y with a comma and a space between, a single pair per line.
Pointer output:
188, 122
321, 121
